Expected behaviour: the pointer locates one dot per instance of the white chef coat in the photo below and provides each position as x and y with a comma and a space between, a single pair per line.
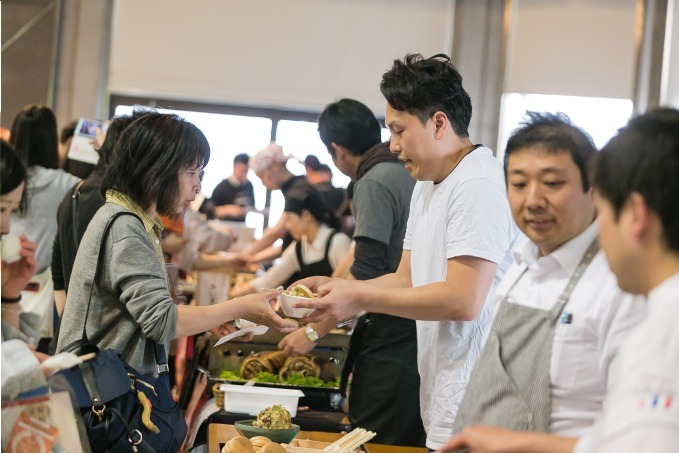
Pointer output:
641, 411
311, 253
467, 214
596, 320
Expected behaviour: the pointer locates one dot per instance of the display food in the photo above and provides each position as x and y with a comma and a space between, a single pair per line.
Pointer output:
273, 417
259, 441
273, 447
268, 361
308, 366
238, 444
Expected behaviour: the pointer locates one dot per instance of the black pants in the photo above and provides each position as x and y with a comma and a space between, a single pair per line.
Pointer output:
385, 388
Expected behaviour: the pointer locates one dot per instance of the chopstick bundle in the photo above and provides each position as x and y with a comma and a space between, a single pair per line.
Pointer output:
350, 441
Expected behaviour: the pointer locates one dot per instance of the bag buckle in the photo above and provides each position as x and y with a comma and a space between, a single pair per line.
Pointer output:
136, 441
162, 369
99, 412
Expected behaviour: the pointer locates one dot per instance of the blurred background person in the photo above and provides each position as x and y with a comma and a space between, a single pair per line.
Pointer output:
76, 210
234, 196
35, 140
18, 253
75, 167
318, 247
320, 177
269, 164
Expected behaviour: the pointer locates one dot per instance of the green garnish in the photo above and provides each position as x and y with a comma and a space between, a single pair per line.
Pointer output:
268, 378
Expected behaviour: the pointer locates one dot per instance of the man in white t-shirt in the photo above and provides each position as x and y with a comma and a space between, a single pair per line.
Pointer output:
457, 241
559, 315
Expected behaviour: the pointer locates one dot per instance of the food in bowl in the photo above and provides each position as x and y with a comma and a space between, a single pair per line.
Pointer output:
302, 291
276, 435
289, 298
273, 417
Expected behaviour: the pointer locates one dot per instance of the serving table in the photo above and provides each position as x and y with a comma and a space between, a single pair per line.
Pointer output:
219, 434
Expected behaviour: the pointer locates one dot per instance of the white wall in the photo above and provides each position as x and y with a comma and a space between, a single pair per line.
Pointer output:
294, 53
670, 85
572, 47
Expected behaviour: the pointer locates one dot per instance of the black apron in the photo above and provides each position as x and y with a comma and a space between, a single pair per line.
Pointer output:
321, 267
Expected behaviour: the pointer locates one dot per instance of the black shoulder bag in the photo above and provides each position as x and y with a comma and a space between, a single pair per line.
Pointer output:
123, 411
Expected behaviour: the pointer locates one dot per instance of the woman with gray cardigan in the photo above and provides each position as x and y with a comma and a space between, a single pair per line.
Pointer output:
155, 170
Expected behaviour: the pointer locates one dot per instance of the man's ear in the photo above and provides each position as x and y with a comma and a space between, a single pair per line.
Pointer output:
340, 151
440, 121
641, 215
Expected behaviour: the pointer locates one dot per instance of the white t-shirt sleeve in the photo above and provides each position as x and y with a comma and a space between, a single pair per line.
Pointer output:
414, 201
338, 249
281, 271
474, 228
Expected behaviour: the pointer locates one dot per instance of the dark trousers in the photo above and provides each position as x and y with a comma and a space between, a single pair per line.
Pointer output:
384, 396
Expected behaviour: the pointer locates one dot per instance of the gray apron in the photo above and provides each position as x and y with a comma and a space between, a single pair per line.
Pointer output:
510, 386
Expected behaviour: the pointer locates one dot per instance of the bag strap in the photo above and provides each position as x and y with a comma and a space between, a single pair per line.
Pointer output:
75, 196
159, 349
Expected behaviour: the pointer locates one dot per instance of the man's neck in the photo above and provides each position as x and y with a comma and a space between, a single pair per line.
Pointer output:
462, 146
352, 162
664, 266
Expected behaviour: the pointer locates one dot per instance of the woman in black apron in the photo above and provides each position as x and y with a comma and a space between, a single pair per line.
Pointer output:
318, 246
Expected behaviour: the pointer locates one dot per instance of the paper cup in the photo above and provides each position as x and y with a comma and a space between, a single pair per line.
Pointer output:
11, 249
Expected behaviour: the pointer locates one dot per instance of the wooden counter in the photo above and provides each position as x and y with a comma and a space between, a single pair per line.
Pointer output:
218, 434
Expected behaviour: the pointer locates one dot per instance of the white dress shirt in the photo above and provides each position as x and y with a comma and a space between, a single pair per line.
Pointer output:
641, 411
595, 321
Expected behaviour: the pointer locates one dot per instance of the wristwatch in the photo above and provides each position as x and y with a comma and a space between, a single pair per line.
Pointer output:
311, 333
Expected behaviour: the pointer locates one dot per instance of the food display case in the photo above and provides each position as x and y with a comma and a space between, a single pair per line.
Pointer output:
322, 406
332, 349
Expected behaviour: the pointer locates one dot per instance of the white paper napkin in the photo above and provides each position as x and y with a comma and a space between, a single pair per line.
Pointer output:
257, 330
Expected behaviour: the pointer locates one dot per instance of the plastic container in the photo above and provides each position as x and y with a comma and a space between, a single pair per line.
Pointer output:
243, 399
287, 302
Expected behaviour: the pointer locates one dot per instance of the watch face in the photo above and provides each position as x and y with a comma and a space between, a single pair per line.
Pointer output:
311, 334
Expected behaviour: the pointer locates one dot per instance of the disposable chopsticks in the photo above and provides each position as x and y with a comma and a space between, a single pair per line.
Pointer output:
350, 441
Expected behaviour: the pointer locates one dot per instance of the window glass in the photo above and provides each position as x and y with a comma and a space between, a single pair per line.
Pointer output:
600, 117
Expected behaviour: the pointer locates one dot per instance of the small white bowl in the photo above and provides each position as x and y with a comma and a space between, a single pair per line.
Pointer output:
11, 249
287, 301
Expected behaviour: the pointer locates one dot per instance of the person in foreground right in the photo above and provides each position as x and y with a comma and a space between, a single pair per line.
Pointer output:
635, 192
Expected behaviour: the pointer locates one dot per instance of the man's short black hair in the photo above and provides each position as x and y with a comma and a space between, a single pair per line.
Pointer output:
554, 132
644, 158
312, 162
423, 86
241, 158
350, 124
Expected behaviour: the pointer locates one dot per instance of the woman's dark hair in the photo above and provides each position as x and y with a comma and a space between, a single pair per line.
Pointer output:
12, 172
113, 133
423, 86
148, 157
554, 132
350, 124
35, 138
310, 200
